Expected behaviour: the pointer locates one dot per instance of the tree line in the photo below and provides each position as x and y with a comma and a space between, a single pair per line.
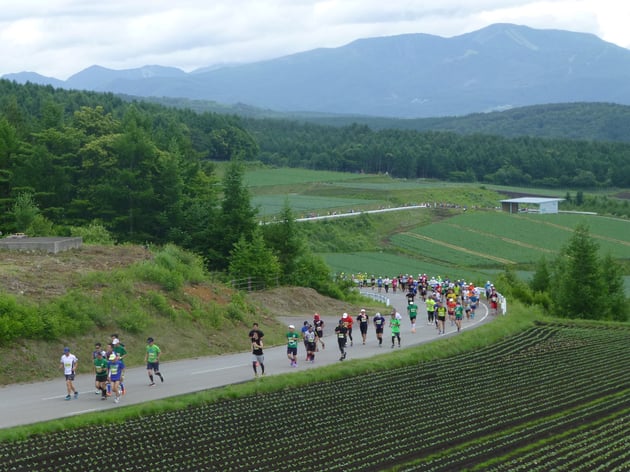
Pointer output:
483, 158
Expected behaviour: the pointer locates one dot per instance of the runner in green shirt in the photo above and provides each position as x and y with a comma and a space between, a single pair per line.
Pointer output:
152, 358
412, 310
100, 369
394, 324
459, 315
430, 310
292, 345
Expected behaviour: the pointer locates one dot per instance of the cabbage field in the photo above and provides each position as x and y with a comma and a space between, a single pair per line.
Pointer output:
554, 397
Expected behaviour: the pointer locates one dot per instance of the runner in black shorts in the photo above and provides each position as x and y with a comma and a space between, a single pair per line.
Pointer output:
379, 325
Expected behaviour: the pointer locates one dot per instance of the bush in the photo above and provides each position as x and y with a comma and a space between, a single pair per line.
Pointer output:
134, 322
94, 233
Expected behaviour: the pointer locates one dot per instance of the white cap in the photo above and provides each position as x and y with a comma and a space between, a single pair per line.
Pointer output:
291, 327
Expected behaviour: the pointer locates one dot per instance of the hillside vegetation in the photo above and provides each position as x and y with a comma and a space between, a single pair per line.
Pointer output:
80, 297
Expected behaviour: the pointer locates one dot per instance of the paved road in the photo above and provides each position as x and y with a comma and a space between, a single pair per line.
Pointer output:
34, 402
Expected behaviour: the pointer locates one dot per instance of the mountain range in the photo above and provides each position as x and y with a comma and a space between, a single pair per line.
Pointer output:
499, 67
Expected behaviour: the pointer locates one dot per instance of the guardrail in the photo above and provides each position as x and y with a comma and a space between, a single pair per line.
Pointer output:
376, 296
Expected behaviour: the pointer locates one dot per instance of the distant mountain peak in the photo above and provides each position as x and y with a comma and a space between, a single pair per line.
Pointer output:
412, 75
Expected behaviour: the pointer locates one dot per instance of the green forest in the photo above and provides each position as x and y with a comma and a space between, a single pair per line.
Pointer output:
148, 173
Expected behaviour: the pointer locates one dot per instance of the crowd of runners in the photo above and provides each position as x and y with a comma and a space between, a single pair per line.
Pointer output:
444, 301
109, 368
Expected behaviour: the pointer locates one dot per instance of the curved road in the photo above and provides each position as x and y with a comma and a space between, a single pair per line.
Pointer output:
22, 404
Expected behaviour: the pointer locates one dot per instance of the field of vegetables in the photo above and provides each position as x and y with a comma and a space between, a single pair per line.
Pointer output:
553, 396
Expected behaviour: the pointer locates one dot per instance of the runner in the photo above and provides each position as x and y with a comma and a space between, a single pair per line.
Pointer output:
310, 341
319, 329
115, 372
412, 311
379, 325
430, 310
347, 322
100, 371
494, 301
363, 320
292, 345
152, 359
69, 363
258, 358
394, 324
441, 317
459, 315
341, 332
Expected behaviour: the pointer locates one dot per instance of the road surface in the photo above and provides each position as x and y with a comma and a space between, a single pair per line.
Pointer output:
23, 404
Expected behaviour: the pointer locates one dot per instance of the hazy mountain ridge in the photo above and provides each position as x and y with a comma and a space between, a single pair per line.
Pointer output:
499, 67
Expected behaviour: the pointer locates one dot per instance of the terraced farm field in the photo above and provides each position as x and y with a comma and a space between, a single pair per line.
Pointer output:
554, 397
485, 239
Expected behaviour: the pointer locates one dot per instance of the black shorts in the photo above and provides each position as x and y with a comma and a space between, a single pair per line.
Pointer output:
363, 327
292, 350
154, 366
102, 378
310, 346
69, 376
379, 330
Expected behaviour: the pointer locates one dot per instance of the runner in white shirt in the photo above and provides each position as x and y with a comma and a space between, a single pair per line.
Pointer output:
69, 363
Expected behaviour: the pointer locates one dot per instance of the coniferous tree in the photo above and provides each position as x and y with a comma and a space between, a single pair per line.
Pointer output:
542, 277
251, 258
578, 284
285, 239
615, 304
236, 220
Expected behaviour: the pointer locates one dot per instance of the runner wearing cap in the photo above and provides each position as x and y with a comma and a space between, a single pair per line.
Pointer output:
292, 345
115, 371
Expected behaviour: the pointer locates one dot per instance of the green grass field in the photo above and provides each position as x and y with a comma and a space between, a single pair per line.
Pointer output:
474, 244
289, 176
303, 205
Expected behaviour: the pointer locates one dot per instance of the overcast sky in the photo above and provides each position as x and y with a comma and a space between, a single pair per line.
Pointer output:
58, 38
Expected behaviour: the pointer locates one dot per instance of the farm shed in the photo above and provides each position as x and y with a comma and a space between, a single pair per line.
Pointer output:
54, 245
545, 205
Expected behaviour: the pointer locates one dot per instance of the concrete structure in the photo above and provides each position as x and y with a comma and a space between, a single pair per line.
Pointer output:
54, 245
545, 205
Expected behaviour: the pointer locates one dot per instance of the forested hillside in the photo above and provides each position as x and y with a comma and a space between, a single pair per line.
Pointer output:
581, 121
146, 172
521, 161
143, 171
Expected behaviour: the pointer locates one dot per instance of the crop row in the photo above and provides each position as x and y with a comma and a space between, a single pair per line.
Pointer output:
603, 447
512, 389
490, 446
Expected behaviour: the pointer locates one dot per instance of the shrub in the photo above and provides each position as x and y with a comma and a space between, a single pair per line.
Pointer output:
134, 322
94, 233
